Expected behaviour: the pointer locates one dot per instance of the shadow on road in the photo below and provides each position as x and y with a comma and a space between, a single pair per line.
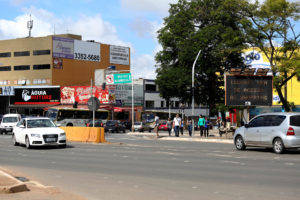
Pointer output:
270, 150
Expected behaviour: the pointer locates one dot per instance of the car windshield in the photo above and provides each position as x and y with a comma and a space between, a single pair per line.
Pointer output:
40, 123
10, 119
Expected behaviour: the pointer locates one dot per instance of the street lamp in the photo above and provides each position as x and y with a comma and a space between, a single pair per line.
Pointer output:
193, 92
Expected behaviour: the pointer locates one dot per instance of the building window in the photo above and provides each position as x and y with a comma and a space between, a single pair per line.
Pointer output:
151, 88
22, 67
5, 68
162, 104
176, 104
6, 54
41, 52
21, 53
149, 104
45, 66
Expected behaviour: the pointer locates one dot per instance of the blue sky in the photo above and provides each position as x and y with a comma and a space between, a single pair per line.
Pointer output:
132, 23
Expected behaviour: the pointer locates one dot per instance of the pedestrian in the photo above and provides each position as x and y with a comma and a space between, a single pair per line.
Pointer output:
182, 127
189, 124
169, 125
201, 124
206, 126
156, 121
177, 124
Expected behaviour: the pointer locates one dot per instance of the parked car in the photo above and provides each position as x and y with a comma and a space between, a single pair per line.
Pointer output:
277, 130
141, 127
114, 126
127, 124
38, 131
8, 122
163, 126
98, 123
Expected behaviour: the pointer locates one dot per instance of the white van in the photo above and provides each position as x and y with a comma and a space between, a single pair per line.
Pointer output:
8, 122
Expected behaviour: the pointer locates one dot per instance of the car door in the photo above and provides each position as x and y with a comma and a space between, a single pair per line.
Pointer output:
253, 131
19, 131
272, 123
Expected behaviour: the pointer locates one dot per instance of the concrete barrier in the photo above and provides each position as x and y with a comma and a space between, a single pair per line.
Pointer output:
84, 134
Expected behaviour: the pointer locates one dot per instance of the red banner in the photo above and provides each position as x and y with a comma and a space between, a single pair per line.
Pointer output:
81, 94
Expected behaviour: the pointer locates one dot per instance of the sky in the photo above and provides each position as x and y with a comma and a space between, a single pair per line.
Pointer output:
130, 23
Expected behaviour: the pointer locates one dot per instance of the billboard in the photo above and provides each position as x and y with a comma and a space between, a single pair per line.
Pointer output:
123, 94
81, 94
89, 51
63, 47
37, 95
248, 90
119, 55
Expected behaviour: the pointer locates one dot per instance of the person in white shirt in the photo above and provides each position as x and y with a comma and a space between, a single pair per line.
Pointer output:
176, 125
156, 121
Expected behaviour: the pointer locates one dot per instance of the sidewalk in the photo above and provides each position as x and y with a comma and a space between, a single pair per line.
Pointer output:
213, 136
18, 187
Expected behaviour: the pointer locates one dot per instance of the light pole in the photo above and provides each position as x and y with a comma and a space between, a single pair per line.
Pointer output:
193, 93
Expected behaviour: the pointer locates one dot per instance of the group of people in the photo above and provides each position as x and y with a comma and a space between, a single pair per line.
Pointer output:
177, 124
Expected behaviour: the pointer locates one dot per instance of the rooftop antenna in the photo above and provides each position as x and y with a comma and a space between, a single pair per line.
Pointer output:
30, 25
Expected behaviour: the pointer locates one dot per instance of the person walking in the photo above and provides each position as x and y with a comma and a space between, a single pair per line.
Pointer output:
206, 126
169, 125
176, 125
201, 124
182, 127
156, 121
189, 124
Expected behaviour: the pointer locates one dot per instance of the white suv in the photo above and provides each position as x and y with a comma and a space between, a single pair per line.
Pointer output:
278, 130
8, 122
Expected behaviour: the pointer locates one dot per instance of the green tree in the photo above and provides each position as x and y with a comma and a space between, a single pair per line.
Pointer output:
214, 26
272, 31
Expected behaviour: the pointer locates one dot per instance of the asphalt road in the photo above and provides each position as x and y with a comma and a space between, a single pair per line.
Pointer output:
146, 168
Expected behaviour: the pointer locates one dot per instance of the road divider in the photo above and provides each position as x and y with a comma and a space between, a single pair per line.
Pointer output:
84, 134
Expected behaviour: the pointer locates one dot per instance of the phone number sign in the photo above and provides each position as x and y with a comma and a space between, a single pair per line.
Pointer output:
89, 51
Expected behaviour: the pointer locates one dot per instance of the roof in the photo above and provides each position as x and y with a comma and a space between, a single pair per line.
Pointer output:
282, 113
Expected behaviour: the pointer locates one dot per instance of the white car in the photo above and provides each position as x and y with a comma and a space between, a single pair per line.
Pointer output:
8, 122
38, 132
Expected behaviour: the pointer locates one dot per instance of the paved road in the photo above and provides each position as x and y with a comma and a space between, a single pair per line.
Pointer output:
146, 168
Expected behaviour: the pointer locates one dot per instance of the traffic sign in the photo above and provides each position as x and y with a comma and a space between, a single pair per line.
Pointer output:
93, 103
118, 78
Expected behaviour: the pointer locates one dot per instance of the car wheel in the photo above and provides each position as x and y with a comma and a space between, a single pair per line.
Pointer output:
278, 146
27, 143
239, 143
14, 140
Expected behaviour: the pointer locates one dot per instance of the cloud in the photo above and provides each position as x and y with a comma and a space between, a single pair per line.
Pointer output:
143, 67
142, 27
161, 6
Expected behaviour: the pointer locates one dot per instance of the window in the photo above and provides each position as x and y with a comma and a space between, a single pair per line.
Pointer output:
162, 104
149, 104
21, 53
22, 67
277, 119
41, 52
5, 68
176, 104
44, 66
6, 54
151, 87
295, 120
257, 122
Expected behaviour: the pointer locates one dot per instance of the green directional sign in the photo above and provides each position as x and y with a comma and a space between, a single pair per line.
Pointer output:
122, 78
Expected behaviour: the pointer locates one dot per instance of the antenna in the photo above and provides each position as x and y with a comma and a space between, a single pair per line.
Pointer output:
29, 26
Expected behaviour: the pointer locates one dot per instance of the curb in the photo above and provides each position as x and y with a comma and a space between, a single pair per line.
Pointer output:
14, 187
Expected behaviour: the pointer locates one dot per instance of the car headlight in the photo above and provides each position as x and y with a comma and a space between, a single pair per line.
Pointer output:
35, 135
62, 134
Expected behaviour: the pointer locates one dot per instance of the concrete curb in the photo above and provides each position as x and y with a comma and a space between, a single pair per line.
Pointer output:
164, 136
13, 184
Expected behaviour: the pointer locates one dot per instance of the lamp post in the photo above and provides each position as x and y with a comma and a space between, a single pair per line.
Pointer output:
193, 92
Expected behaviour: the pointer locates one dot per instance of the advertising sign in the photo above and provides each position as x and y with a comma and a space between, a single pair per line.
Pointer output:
81, 94
249, 90
7, 91
119, 55
255, 59
123, 94
63, 47
89, 51
38, 95
118, 78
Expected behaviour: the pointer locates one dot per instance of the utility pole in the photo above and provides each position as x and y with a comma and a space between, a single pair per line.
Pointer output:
193, 92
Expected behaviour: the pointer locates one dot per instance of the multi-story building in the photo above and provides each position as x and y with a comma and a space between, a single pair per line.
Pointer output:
62, 60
